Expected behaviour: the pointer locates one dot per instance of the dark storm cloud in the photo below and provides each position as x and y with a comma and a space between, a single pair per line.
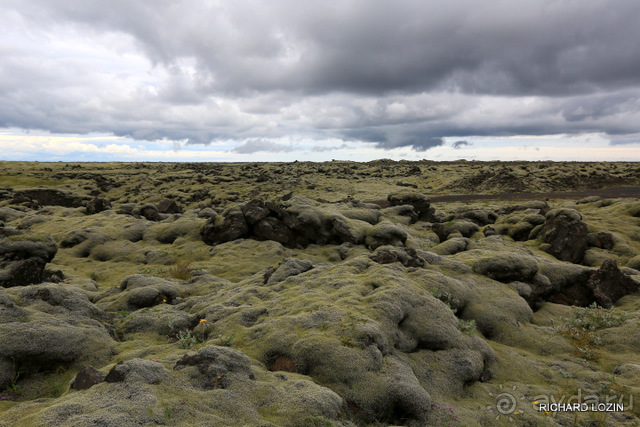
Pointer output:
543, 47
403, 73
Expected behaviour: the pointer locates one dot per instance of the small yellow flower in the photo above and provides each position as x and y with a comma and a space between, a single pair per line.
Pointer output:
164, 300
535, 402
203, 320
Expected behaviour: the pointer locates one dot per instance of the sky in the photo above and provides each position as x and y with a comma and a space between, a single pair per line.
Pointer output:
284, 80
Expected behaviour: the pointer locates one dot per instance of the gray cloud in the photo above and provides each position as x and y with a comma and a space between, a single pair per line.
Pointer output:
396, 74
373, 47
460, 144
256, 145
630, 139
322, 149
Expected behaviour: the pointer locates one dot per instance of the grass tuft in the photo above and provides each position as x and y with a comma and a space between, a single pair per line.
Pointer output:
181, 271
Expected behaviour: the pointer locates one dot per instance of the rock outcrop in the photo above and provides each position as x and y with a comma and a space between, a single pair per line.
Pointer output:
295, 223
97, 205
51, 197
565, 235
609, 284
23, 258
421, 203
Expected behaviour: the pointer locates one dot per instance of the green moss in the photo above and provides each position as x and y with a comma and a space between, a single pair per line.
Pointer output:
49, 384
28, 181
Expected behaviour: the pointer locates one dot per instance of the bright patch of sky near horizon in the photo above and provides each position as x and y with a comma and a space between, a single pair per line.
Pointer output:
46, 147
289, 80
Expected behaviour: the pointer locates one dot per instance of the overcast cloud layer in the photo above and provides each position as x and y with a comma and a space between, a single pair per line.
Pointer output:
264, 76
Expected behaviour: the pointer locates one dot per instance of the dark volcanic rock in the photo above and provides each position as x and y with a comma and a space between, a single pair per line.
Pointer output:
602, 240
521, 231
582, 286
271, 228
6, 193
169, 207
97, 204
23, 258
21, 273
341, 231
403, 210
385, 233
51, 197
489, 231
117, 374
295, 224
609, 284
137, 370
86, 378
22, 199
479, 216
105, 184
256, 210
567, 281
390, 254
463, 227
217, 367
150, 212
231, 225
145, 291
199, 195
565, 234
420, 202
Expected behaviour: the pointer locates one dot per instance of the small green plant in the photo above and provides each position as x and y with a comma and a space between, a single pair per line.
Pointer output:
445, 297
168, 411
566, 374
223, 340
121, 313
229, 341
13, 392
467, 327
172, 322
15, 389
583, 328
181, 271
202, 331
185, 339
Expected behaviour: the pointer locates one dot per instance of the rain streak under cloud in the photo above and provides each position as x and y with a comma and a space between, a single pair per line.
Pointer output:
285, 80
